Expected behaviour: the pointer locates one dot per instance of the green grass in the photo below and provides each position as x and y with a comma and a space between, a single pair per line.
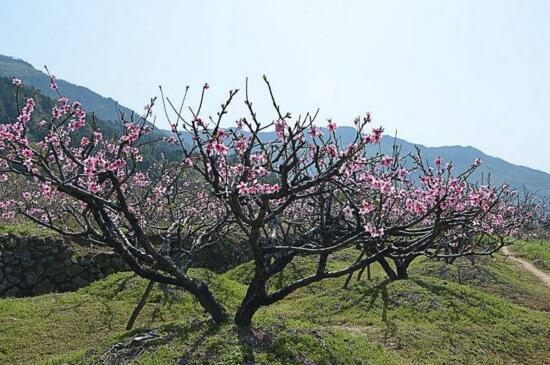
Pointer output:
537, 251
491, 313
24, 228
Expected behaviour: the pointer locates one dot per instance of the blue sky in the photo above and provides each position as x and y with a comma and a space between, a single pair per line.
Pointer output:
439, 72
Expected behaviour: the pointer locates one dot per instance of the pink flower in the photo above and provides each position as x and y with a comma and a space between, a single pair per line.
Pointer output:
188, 162
280, 127
240, 145
386, 161
206, 86
371, 229
16, 82
331, 126
46, 190
437, 162
200, 122
53, 83
27, 153
377, 134
275, 188
220, 148
117, 164
242, 187
366, 208
332, 150
314, 131
348, 212
477, 162
93, 187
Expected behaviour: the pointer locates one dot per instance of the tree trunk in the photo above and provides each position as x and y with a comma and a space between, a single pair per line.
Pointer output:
249, 306
211, 305
402, 267
402, 271
387, 268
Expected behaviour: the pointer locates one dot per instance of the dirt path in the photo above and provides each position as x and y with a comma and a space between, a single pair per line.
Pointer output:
541, 275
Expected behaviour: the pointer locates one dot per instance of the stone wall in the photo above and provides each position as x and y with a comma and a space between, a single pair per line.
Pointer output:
38, 265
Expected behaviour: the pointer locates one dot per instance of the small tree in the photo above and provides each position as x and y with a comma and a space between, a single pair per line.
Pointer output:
436, 214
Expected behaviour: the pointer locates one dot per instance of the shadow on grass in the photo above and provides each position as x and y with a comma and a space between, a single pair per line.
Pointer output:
452, 297
370, 295
201, 329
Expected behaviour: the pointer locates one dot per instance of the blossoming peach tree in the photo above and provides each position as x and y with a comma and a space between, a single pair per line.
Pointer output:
292, 188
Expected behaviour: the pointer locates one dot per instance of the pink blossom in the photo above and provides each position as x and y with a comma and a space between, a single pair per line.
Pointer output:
116, 165
332, 150
280, 127
315, 131
27, 153
46, 190
16, 82
373, 231
332, 126
220, 148
366, 208
93, 187
348, 212
377, 134
53, 83
188, 162
386, 161
240, 145
242, 187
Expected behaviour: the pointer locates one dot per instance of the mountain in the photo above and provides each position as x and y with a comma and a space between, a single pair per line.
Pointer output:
500, 171
104, 108
44, 105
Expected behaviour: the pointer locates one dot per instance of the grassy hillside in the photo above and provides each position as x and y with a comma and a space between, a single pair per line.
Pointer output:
492, 313
536, 251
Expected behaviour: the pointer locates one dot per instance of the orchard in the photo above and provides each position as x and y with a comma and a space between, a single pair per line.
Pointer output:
297, 192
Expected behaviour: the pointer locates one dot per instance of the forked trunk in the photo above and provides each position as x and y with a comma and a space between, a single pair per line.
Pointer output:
249, 306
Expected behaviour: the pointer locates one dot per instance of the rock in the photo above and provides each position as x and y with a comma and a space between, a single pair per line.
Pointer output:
43, 287
73, 270
12, 292
79, 282
31, 278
